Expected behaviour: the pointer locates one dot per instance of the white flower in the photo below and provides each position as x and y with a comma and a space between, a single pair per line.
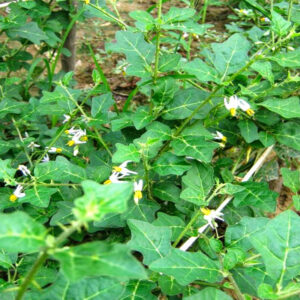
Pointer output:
46, 158
210, 215
66, 119
78, 138
73, 131
113, 178
245, 106
220, 136
17, 194
185, 35
121, 169
25, 171
32, 145
54, 150
232, 105
245, 12
138, 187
265, 19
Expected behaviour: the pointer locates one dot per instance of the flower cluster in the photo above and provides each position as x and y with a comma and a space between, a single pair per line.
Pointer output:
78, 136
234, 103
122, 171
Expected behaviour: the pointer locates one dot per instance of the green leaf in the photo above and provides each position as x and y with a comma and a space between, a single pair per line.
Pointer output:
186, 267
169, 285
142, 117
38, 196
10, 106
197, 183
296, 202
287, 108
99, 200
5, 146
138, 290
231, 55
99, 259
238, 235
279, 25
256, 194
167, 191
96, 288
196, 147
248, 130
125, 152
264, 68
288, 59
168, 62
153, 242
289, 134
29, 31
176, 14
139, 53
19, 232
144, 211
169, 163
164, 90
209, 293
6, 172
101, 106
60, 170
266, 138
185, 102
64, 214
202, 71
278, 243
232, 257
291, 179
176, 224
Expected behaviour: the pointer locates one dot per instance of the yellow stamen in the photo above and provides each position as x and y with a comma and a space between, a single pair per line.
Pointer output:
138, 195
250, 112
87, 1
58, 150
233, 111
13, 197
108, 181
67, 131
70, 143
123, 73
117, 169
205, 211
224, 139
84, 138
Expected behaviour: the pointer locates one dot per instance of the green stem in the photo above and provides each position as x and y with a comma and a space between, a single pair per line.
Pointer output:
237, 290
43, 256
120, 22
290, 10
205, 5
196, 216
69, 28
21, 139
102, 142
157, 45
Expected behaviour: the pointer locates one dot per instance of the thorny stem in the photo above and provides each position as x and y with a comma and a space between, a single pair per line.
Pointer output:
43, 256
205, 5
102, 142
147, 181
21, 139
157, 45
237, 290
